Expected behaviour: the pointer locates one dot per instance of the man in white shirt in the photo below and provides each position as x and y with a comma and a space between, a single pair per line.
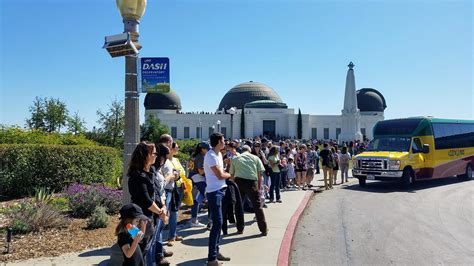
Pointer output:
215, 191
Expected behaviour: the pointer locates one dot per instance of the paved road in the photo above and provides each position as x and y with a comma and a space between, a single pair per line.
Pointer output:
433, 223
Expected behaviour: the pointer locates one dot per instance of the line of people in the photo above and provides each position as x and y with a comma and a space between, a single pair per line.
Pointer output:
157, 184
229, 176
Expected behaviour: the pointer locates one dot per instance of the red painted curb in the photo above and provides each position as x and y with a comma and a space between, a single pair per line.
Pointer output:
284, 254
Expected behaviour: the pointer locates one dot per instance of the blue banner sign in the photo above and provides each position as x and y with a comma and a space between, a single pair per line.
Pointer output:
155, 74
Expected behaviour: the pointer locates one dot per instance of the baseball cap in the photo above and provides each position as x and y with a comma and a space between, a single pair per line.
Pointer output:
204, 145
246, 148
133, 211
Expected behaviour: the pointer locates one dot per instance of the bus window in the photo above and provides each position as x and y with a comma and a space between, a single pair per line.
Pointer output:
453, 135
416, 146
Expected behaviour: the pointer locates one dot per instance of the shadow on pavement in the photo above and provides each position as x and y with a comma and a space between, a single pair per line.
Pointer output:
97, 252
202, 261
204, 241
187, 232
390, 187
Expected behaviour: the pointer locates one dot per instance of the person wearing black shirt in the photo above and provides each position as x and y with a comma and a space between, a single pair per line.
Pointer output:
325, 155
131, 214
141, 187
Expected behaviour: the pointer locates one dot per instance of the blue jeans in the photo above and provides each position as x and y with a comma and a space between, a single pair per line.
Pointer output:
173, 220
284, 178
275, 185
214, 200
265, 179
201, 187
156, 245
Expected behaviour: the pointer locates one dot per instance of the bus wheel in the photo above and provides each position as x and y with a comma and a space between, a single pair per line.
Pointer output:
362, 181
468, 175
407, 178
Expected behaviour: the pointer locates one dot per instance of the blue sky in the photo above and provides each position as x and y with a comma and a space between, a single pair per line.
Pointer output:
418, 54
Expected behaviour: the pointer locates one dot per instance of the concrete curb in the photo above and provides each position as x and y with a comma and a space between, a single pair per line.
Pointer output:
285, 247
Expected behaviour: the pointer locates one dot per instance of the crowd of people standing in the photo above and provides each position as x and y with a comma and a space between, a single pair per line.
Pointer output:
229, 176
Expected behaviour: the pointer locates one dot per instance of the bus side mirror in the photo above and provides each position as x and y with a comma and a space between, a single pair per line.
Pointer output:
426, 148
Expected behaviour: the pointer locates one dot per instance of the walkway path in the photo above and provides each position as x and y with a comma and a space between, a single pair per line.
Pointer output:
248, 248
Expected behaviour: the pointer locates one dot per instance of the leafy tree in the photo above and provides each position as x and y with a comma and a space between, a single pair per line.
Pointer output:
76, 125
152, 129
300, 125
112, 124
47, 114
56, 115
37, 111
96, 136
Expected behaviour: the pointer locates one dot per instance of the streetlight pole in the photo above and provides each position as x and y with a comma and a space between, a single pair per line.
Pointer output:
131, 12
232, 111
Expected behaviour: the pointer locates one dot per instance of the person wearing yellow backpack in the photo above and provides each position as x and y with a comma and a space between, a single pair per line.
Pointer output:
184, 182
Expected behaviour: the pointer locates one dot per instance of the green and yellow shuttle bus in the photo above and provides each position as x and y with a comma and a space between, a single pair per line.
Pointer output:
417, 148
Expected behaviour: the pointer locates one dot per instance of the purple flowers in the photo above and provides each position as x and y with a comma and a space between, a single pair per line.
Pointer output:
83, 199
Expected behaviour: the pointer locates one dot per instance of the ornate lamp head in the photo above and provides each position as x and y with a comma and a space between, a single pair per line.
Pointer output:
131, 9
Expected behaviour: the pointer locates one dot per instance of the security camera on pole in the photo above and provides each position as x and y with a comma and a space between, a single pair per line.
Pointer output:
127, 45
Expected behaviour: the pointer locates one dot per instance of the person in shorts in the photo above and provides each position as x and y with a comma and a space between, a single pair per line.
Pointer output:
301, 160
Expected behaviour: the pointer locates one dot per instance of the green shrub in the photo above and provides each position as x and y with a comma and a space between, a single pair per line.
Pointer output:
186, 148
98, 219
83, 199
35, 218
11, 209
25, 167
20, 226
43, 196
60, 204
15, 135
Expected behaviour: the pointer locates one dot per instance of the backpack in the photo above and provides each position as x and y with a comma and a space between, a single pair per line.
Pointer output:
330, 163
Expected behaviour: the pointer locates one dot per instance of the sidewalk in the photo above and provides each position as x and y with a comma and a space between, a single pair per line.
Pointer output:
248, 248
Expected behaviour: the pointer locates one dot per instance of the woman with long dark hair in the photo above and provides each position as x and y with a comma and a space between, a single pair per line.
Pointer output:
142, 188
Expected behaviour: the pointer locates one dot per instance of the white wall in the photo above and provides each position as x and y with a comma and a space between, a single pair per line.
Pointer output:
324, 121
255, 116
285, 122
368, 122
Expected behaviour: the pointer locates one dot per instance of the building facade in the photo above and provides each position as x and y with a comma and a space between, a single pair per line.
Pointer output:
265, 114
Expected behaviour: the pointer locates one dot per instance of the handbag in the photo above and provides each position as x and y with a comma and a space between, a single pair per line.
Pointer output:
175, 200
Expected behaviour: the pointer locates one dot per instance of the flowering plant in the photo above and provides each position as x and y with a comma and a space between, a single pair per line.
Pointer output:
83, 199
